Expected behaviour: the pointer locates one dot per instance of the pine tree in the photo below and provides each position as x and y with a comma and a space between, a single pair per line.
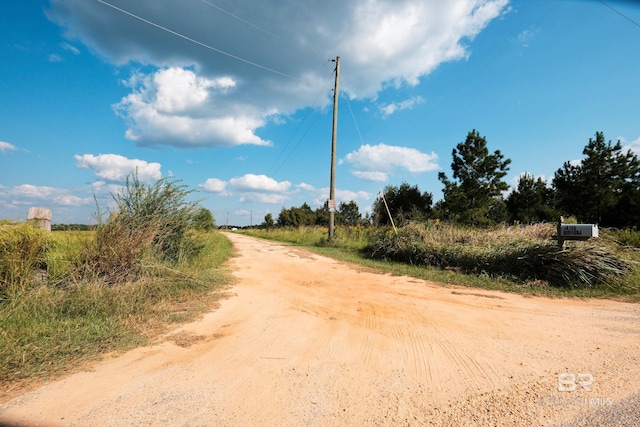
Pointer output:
604, 188
475, 195
531, 202
406, 203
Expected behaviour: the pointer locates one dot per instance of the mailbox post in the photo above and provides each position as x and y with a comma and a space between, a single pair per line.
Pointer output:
575, 232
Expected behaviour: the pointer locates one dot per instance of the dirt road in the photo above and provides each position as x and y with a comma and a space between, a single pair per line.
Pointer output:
305, 340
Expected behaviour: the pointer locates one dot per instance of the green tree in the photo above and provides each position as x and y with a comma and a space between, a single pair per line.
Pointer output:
322, 215
406, 203
475, 195
532, 201
203, 219
348, 214
285, 219
603, 188
296, 217
268, 221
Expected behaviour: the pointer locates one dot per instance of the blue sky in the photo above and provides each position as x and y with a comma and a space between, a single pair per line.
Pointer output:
235, 98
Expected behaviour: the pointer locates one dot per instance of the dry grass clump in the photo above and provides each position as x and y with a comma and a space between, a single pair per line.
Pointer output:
523, 253
50, 327
23, 249
67, 296
151, 226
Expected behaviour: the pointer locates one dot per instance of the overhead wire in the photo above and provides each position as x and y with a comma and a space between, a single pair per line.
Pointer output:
240, 19
353, 117
620, 13
304, 119
175, 33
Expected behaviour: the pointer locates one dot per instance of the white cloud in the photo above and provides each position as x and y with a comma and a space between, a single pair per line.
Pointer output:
375, 162
5, 146
70, 48
271, 198
525, 37
408, 104
348, 195
115, 168
215, 185
305, 186
176, 107
102, 187
72, 200
54, 57
251, 182
236, 78
180, 90
320, 195
34, 192
250, 188
27, 194
634, 146
371, 176
66, 206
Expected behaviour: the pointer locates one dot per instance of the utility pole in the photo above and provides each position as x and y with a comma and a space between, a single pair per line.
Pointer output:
334, 135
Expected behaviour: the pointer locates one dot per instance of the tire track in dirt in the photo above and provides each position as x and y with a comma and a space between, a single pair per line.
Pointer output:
474, 375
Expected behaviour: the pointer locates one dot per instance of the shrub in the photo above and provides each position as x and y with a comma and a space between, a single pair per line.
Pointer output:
151, 222
23, 250
523, 253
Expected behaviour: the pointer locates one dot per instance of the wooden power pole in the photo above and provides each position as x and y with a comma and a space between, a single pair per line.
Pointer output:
334, 135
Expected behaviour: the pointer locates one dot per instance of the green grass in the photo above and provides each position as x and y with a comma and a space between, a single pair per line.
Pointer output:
629, 238
66, 248
50, 327
354, 246
23, 248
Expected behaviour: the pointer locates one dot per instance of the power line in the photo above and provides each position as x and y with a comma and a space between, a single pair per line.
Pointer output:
241, 20
353, 117
620, 13
146, 21
304, 119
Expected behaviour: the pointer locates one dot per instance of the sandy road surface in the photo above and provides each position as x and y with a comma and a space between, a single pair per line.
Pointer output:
306, 340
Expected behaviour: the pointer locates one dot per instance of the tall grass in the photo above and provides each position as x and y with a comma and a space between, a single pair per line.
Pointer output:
23, 249
47, 329
152, 225
67, 296
522, 253
629, 237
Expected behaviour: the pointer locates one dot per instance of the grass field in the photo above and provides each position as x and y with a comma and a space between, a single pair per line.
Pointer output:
459, 251
52, 320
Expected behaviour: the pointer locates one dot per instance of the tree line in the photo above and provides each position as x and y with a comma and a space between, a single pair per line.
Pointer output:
347, 214
602, 188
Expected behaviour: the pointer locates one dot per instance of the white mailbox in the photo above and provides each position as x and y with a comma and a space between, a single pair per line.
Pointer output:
578, 231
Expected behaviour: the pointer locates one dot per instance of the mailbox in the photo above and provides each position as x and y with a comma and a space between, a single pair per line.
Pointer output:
578, 231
